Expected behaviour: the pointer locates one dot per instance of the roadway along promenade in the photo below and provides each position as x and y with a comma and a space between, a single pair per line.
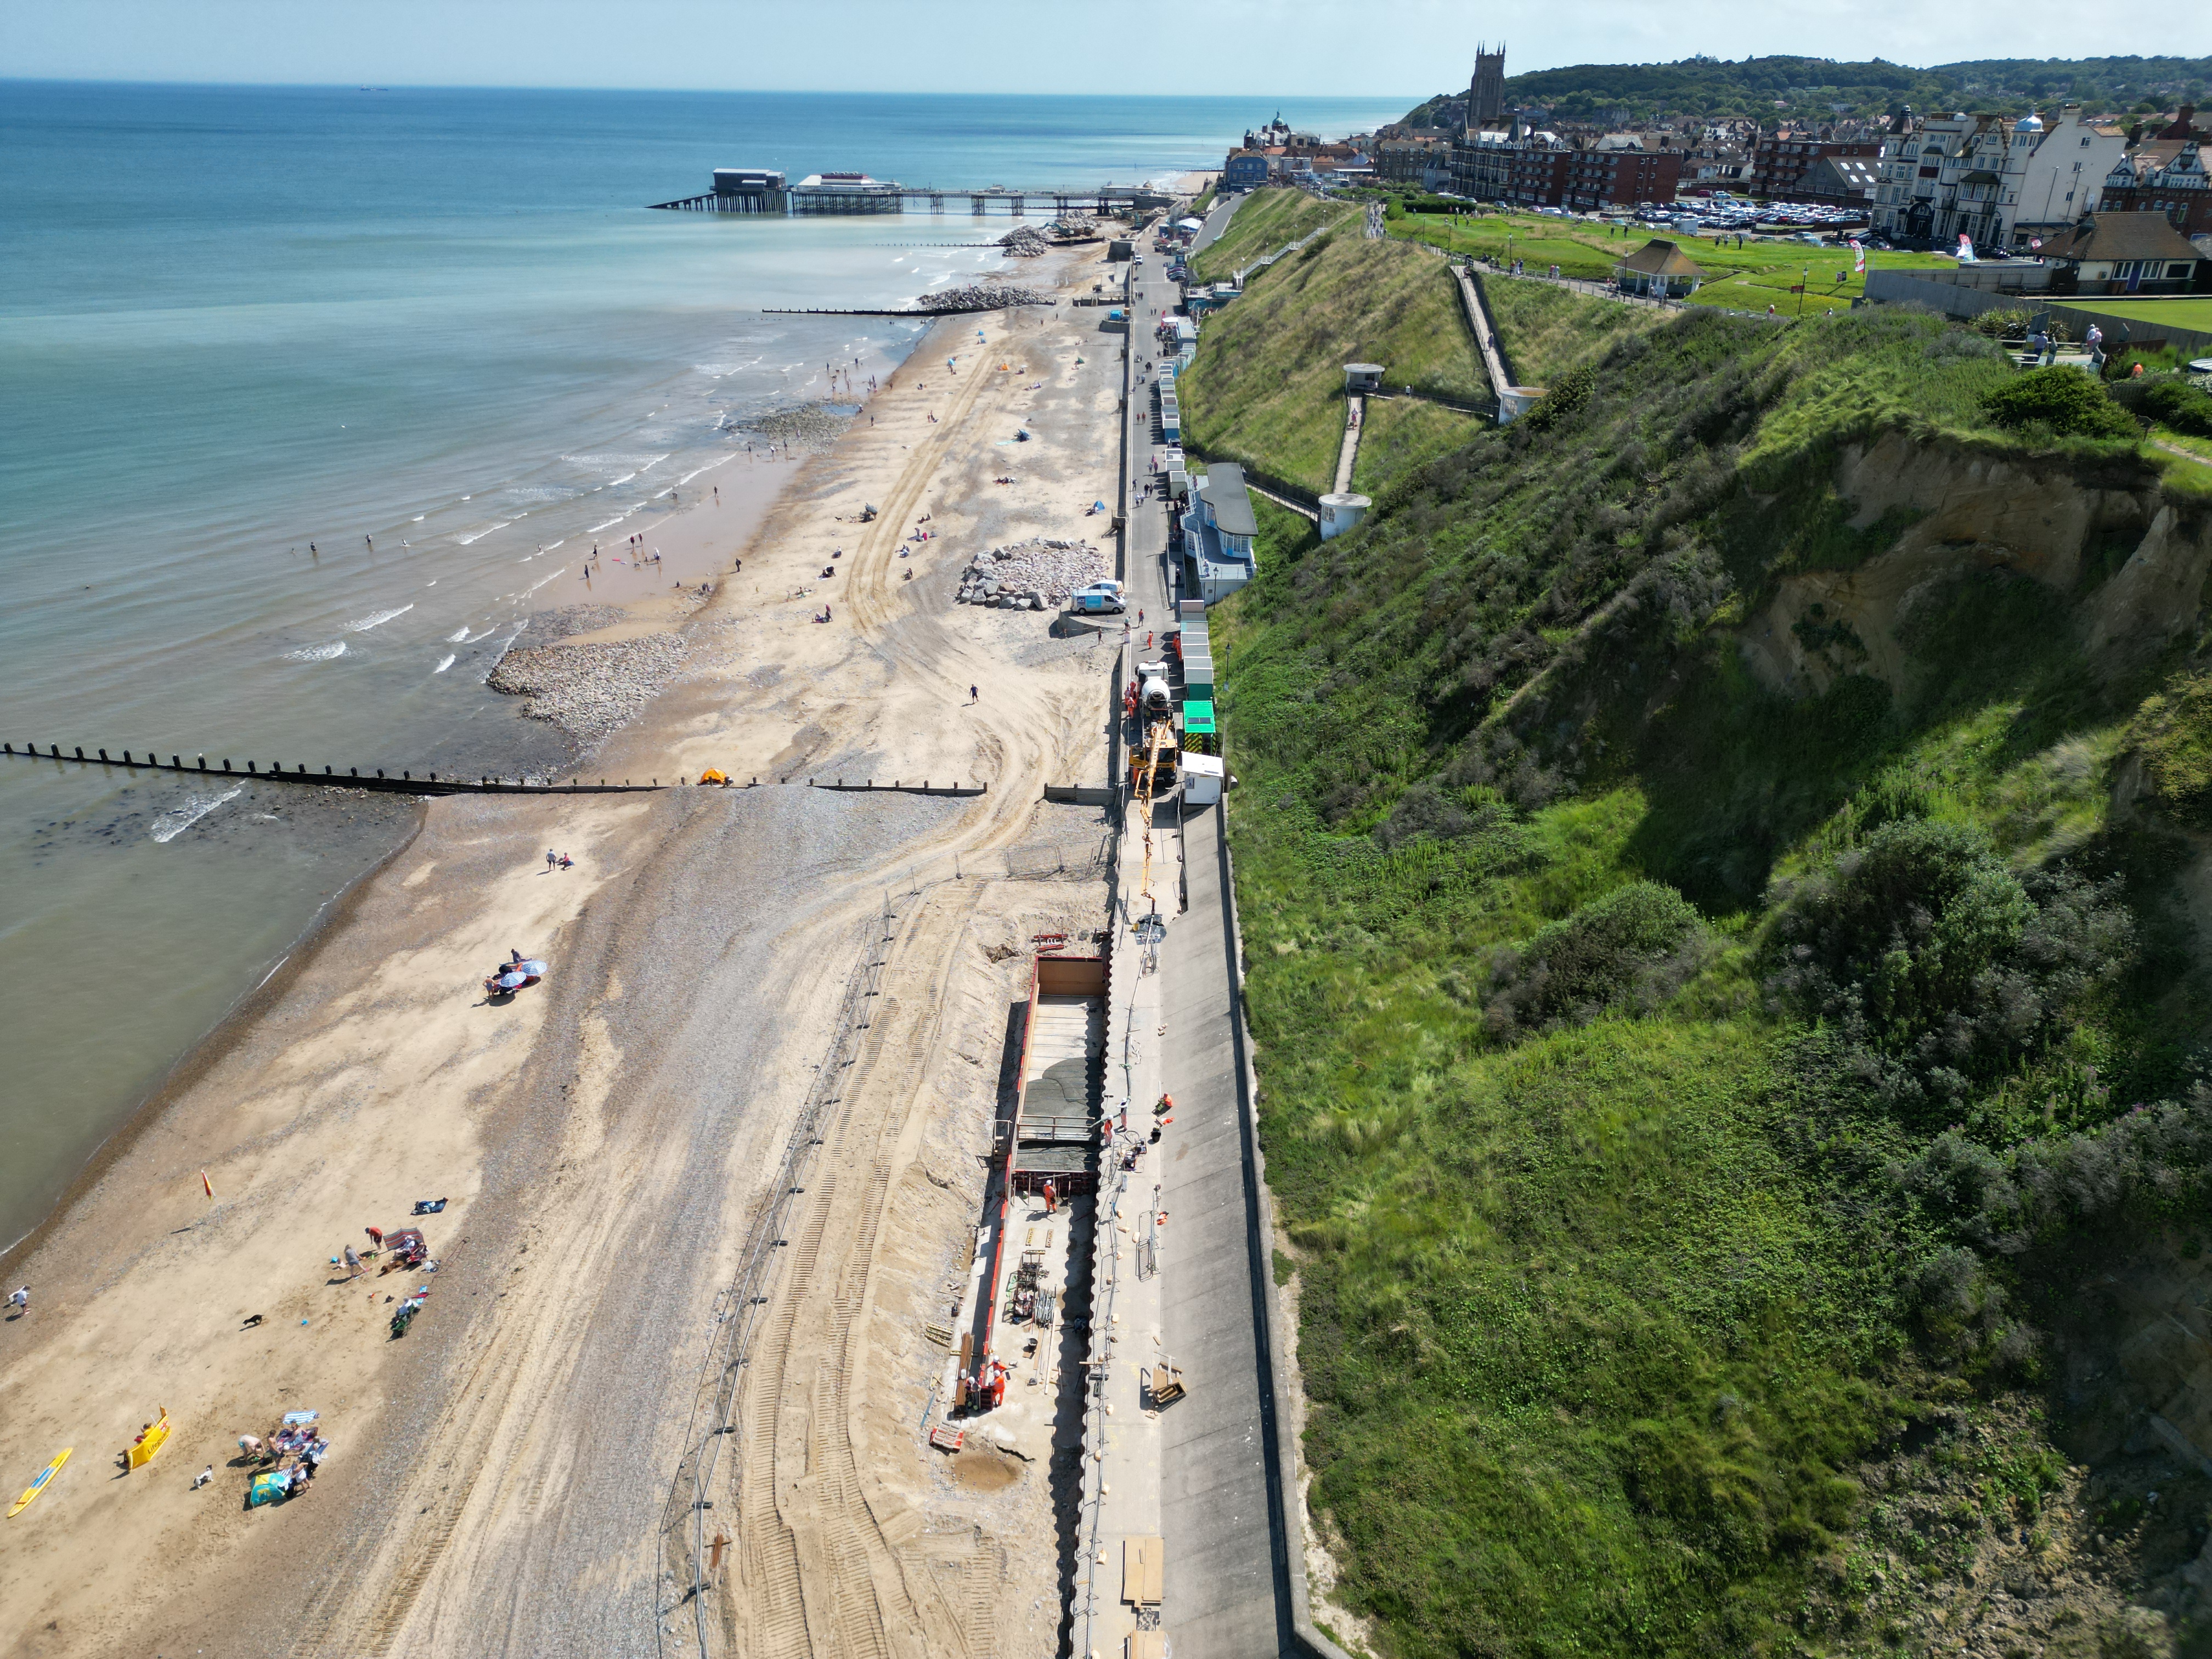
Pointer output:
1182, 1265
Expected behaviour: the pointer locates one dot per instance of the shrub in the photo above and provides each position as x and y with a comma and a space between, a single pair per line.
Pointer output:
2064, 399
2172, 733
1627, 948
2181, 406
1999, 323
1939, 966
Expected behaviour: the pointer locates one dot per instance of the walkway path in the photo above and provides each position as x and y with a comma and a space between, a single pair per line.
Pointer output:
1347, 454
1181, 1268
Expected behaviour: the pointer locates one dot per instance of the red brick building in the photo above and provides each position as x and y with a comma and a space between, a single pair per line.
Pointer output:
1781, 159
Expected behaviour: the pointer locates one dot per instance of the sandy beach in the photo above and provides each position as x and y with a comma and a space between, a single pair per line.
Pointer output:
497, 1480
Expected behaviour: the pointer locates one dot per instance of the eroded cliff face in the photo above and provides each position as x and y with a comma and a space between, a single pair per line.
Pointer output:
1969, 512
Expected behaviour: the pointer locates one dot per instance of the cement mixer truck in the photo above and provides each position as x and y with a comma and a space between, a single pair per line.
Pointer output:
1152, 694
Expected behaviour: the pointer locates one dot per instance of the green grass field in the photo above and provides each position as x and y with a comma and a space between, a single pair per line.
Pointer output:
1267, 386
1267, 220
1747, 278
2192, 313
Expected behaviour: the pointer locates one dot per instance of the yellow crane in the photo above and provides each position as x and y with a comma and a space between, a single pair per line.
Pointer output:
1145, 772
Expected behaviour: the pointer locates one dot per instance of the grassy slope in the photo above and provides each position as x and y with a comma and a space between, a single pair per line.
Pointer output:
1597, 1326
1401, 433
1761, 272
1267, 384
1547, 331
2192, 313
1268, 220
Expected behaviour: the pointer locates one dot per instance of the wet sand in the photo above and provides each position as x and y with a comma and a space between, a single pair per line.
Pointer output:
497, 1476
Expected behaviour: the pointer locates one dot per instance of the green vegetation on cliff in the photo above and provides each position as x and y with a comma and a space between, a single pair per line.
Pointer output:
1694, 1090
1268, 219
1267, 388
1545, 330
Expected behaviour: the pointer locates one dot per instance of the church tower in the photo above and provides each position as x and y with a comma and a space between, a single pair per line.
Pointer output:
1486, 93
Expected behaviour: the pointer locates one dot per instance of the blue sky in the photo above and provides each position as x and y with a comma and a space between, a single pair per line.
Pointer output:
1284, 47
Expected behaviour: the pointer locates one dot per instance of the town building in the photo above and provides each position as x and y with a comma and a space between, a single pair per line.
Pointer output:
2064, 174
1846, 181
1423, 162
1218, 531
1244, 169
2176, 184
1951, 176
1782, 158
1528, 166
1658, 270
2111, 253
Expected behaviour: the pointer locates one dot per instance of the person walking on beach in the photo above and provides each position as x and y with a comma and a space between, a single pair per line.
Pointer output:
19, 1302
973, 694
353, 1262
552, 858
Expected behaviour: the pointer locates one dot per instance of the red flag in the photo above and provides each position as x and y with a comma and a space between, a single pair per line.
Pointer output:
207, 1184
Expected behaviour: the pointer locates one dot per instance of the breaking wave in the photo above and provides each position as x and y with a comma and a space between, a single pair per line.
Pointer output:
177, 819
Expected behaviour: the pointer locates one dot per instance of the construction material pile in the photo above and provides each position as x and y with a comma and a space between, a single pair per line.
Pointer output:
1030, 575
1024, 242
1071, 229
978, 296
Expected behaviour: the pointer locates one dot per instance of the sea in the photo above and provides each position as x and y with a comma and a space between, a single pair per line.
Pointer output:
310, 397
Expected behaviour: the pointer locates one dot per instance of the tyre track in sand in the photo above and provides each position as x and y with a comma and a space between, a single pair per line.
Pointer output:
828, 1563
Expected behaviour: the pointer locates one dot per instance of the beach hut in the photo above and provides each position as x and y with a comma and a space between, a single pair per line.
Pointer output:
1658, 270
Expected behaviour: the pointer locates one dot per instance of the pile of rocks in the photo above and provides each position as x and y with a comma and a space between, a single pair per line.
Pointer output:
810, 427
1030, 575
546, 626
1024, 242
978, 297
588, 691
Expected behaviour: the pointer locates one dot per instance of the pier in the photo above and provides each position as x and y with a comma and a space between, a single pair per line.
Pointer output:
431, 784
842, 193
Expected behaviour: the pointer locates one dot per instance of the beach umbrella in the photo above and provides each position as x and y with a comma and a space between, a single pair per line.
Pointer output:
508, 981
537, 968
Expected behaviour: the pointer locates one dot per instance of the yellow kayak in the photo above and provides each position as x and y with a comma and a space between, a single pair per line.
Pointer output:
39, 1485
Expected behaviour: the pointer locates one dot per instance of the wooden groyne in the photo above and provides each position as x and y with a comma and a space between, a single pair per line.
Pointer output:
431, 784
908, 310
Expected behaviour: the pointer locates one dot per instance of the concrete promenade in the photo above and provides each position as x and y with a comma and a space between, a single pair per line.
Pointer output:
1202, 1483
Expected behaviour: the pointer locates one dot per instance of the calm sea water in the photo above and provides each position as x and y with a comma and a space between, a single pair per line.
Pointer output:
237, 321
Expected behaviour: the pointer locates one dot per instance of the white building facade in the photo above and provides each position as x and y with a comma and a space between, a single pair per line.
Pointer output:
2000, 183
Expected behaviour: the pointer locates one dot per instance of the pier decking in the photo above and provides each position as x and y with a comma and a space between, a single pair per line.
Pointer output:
897, 198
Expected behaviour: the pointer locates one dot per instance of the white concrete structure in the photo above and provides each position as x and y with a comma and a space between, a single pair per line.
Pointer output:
1341, 512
